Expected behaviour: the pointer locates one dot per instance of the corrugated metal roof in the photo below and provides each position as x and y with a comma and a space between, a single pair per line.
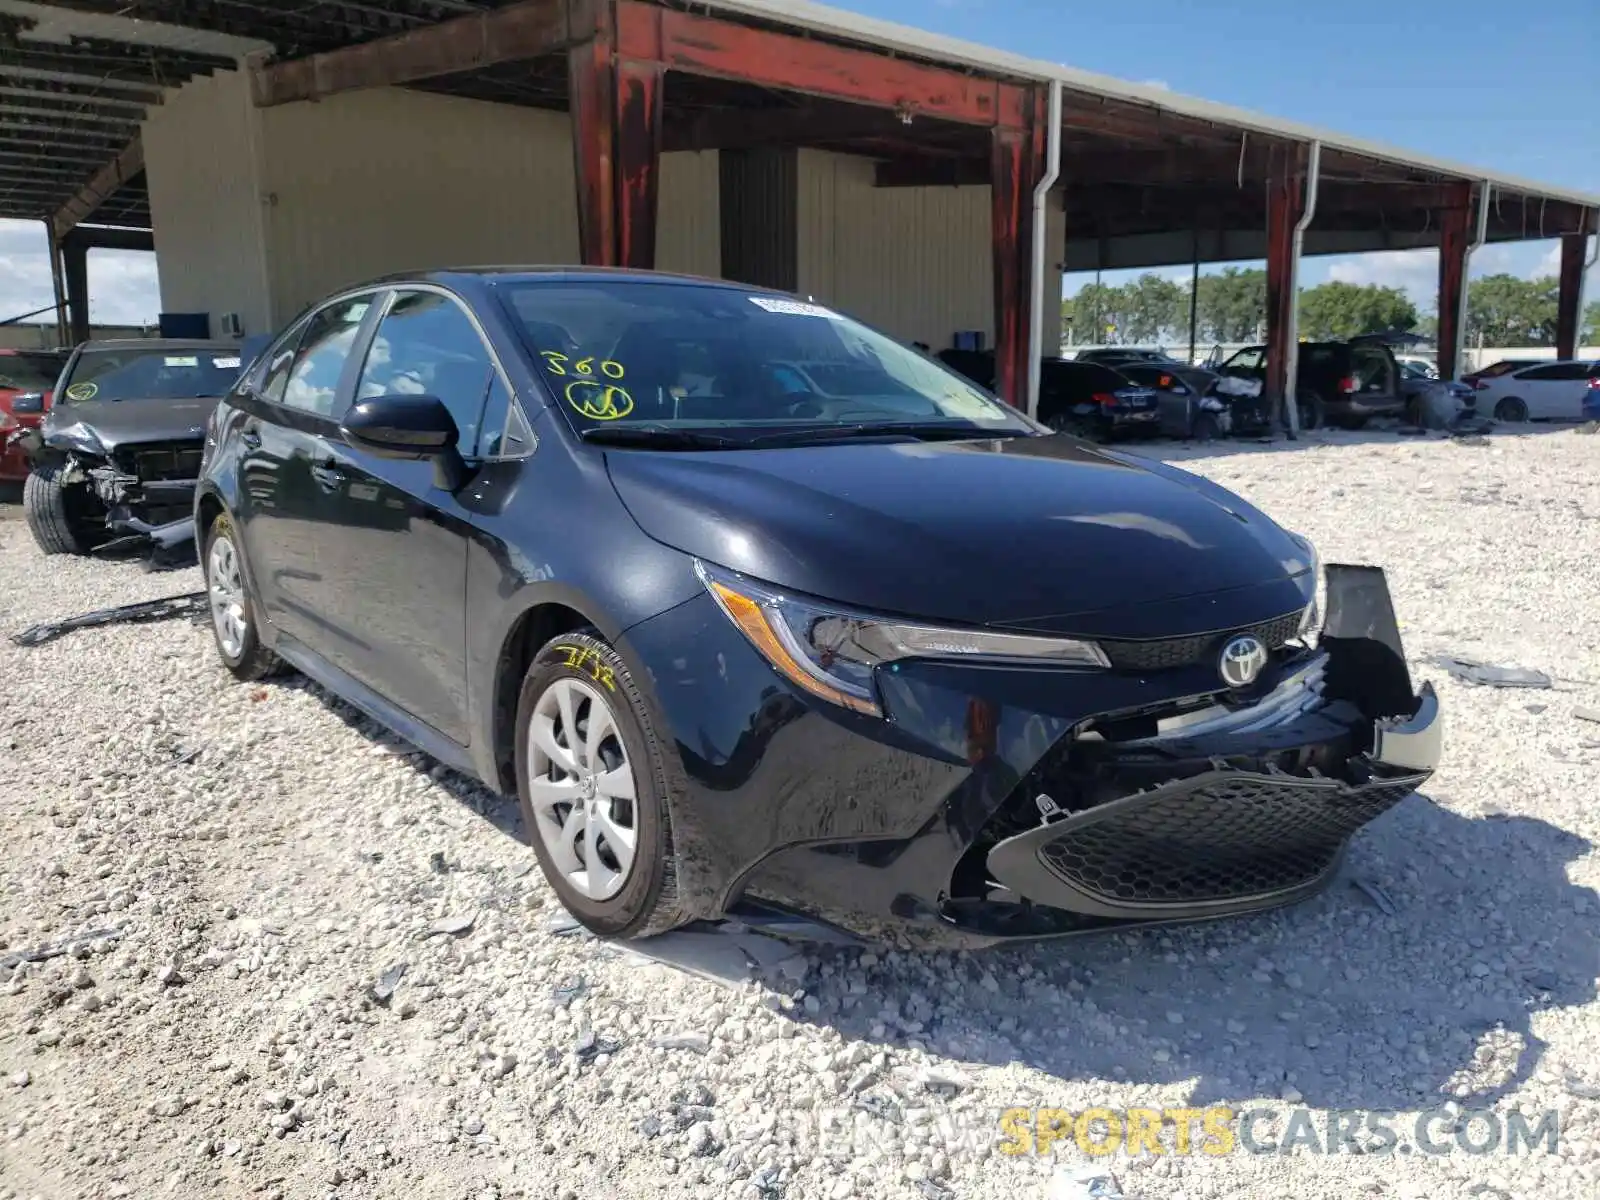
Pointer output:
837, 23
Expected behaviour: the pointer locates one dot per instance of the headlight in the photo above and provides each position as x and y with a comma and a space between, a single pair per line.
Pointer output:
1311, 619
831, 652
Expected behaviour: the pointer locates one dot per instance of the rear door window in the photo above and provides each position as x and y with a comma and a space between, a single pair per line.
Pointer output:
1556, 373
312, 384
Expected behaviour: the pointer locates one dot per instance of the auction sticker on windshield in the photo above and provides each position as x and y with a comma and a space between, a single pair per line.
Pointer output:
181, 360
793, 308
226, 364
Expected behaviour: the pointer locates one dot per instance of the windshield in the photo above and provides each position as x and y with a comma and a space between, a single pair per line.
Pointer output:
674, 356
25, 372
151, 374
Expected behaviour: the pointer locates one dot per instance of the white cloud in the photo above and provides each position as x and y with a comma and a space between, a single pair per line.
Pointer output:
123, 287
1415, 272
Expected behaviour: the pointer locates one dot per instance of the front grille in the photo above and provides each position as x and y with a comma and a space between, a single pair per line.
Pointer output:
1166, 653
1218, 838
171, 460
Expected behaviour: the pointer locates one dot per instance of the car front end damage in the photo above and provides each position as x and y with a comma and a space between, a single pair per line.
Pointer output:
999, 800
130, 492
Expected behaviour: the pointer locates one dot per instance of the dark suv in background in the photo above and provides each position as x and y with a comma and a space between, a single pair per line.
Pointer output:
1338, 383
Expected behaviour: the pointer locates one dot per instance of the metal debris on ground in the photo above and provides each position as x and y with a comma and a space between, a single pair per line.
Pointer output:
1085, 1183
168, 608
1470, 670
564, 925
569, 991
184, 757
453, 926
385, 987
590, 1047
55, 949
1377, 895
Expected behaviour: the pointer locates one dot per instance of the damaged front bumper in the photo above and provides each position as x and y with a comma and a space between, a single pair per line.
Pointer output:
152, 509
1013, 802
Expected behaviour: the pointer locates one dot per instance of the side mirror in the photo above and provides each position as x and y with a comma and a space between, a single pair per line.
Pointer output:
408, 427
28, 402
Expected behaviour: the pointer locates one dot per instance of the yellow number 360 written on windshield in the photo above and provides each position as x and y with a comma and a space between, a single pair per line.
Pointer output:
590, 389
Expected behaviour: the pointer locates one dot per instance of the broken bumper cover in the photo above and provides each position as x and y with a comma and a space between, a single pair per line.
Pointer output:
1019, 802
1234, 826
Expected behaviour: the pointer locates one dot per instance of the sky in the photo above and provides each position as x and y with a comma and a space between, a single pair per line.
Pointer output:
1460, 79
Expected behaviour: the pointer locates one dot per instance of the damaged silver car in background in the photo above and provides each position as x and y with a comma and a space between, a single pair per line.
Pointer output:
114, 461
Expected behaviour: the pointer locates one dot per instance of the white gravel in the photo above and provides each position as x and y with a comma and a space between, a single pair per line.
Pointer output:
223, 1040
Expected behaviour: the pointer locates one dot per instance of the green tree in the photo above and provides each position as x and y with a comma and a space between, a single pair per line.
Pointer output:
1591, 324
1095, 307
1506, 311
1336, 311
1233, 304
1152, 309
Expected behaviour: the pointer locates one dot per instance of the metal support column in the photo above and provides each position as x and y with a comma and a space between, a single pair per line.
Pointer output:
1569, 303
1017, 163
1194, 296
1285, 208
75, 267
614, 87
57, 283
1456, 244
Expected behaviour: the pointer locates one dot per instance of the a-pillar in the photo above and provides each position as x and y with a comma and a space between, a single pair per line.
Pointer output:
1455, 225
1017, 163
1569, 302
614, 92
1286, 199
75, 268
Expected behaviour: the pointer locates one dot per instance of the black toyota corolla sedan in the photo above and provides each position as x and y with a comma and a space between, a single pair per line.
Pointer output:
746, 601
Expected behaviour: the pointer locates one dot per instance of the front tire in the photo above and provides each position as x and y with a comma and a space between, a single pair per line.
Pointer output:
234, 613
592, 781
60, 516
1512, 410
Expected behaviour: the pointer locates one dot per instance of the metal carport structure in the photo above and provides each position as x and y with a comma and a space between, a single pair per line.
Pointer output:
1146, 177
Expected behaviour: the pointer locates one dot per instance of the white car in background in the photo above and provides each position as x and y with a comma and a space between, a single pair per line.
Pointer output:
1547, 391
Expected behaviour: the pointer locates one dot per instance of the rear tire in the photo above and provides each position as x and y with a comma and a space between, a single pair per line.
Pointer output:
1511, 410
234, 613
60, 516
1206, 427
594, 796
1312, 411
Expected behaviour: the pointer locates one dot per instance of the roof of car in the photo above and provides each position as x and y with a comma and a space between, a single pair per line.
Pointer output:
158, 344
513, 273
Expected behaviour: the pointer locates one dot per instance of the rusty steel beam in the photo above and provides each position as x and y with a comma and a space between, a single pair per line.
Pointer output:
1569, 296
1017, 163
511, 34
805, 124
105, 183
1454, 237
592, 101
1285, 206
709, 46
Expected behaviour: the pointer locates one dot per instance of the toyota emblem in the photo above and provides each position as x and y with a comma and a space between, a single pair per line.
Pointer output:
1243, 659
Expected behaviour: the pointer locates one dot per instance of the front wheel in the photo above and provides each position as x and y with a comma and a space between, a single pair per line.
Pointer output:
592, 779
1206, 427
1511, 409
234, 614
63, 518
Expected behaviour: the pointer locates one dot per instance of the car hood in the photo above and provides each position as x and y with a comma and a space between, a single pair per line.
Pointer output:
1042, 533
108, 424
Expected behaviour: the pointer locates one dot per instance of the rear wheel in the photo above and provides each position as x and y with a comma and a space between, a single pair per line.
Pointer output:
63, 518
592, 779
1311, 409
234, 614
1512, 408
1206, 427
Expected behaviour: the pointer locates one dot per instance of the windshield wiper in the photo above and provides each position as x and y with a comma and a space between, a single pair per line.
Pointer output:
655, 437
923, 431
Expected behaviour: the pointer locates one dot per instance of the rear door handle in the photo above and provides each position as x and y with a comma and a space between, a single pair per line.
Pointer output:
328, 475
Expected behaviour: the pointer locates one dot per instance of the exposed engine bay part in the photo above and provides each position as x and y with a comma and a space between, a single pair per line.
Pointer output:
169, 608
1238, 805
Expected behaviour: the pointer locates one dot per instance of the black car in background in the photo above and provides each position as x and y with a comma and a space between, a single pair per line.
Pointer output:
1122, 357
117, 453
1338, 383
1096, 401
744, 599
1187, 411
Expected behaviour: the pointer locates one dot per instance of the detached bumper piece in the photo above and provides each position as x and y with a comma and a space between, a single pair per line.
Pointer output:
1236, 808
1226, 840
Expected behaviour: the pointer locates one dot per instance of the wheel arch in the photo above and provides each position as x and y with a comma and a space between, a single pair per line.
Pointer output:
535, 625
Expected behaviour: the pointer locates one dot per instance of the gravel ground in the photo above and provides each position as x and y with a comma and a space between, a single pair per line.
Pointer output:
231, 869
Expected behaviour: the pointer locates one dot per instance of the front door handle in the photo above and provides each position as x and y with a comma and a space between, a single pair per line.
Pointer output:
250, 437
328, 475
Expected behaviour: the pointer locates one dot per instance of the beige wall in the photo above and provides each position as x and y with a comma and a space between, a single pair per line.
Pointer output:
262, 211
199, 163
917, 262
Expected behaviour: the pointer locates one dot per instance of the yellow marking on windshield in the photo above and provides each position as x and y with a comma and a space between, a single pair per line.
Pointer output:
599, 401
83, 391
